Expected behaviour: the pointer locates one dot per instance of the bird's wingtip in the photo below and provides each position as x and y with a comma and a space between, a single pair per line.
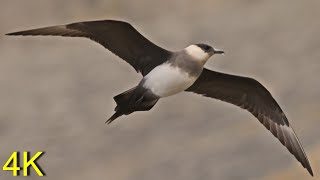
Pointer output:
17, 33
310, 171
11, 34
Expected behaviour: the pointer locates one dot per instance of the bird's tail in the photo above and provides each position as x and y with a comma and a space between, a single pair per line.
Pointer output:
124, 98
122, 107
114, 116
135, 99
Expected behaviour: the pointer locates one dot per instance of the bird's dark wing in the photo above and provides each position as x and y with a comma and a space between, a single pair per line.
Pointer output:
119, 37
249, 94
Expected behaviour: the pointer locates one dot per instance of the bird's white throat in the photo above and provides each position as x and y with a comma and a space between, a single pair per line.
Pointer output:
197, 53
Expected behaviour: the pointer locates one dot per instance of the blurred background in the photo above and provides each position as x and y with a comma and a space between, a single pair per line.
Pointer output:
56, 93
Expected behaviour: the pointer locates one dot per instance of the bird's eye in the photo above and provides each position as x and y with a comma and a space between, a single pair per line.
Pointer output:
204, 47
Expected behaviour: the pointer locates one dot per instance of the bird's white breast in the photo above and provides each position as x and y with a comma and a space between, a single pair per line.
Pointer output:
166, 80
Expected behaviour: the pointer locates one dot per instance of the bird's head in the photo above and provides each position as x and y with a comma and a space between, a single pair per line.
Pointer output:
202, 52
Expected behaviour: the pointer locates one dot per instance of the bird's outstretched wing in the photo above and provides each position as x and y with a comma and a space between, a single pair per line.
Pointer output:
249, 94
119, 37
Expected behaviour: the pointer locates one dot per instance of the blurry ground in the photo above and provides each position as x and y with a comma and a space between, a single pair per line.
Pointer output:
56, 93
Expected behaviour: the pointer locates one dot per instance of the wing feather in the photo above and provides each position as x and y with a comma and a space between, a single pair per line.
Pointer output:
119, 37
249, 94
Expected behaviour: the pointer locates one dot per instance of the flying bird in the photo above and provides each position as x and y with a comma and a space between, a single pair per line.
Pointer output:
166, 73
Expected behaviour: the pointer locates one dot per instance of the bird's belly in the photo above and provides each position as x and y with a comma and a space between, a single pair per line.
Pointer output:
166, 80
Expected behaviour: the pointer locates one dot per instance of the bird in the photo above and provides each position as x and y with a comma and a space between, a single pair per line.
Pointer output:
166, 73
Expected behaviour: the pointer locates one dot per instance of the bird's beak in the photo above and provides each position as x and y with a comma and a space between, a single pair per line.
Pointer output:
216, 51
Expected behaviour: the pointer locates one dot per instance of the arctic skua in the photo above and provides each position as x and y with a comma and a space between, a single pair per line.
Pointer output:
166, 73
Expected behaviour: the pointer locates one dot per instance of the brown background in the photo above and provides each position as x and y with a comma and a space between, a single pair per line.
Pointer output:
56, 93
